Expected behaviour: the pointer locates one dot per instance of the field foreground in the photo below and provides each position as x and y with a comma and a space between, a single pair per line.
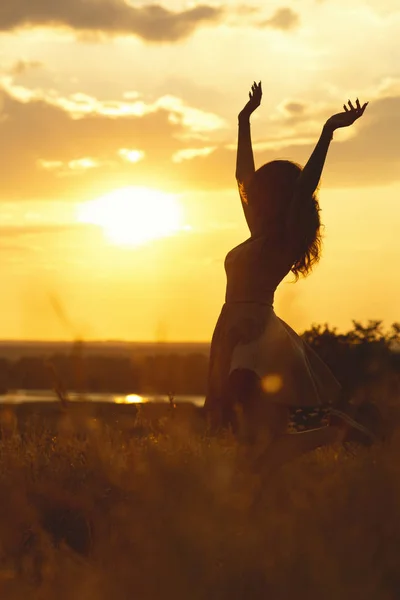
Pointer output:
109, 503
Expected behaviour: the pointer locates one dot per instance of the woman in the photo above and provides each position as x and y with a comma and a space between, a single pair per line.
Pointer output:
260, 369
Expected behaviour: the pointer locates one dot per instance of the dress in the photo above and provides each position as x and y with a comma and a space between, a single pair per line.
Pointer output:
249, 335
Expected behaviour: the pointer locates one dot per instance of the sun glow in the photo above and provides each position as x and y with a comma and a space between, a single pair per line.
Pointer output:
134, 215
130, 399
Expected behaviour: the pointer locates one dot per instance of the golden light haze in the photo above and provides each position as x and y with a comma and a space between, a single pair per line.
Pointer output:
117, 145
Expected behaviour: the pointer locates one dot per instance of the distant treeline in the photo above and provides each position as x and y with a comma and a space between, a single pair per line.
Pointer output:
365, 358
163, 374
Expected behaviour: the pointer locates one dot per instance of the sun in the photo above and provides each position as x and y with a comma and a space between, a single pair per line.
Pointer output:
134, 215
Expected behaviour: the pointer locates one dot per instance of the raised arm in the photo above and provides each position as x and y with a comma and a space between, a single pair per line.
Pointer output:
311, 174
244, 160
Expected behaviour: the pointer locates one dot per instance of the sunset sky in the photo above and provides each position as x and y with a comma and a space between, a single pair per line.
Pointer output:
118, 125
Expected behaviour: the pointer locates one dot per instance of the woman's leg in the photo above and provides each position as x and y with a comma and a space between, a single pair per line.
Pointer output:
263, 424
249, 412
288, 446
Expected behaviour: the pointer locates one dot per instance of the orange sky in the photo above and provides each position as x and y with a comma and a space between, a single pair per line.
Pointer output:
143, 95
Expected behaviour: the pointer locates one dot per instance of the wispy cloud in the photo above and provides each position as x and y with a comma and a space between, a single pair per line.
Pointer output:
22, 66
14, 231
190, 153
77, 165
131, 155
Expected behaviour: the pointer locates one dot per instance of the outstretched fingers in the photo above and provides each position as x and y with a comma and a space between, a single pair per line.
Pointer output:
359, 110
256, 88
356, 110
254, 101
255, 93
351, 108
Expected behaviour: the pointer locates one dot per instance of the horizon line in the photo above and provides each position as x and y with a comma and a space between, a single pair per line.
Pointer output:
101, 341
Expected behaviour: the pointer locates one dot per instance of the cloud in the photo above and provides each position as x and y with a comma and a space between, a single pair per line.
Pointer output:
95, 143
38, 138
131, 154
370, 157
194, 119
152, 23
41, 142
22, 66
190, 153
284, 19
79, 104
246, 9
50, 165
20, 230
81, 164
44, 137
294, 108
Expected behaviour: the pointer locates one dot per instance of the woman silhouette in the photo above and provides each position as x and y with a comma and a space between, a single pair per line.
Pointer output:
260, 369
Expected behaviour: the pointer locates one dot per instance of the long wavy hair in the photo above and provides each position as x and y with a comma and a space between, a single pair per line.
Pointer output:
270, 192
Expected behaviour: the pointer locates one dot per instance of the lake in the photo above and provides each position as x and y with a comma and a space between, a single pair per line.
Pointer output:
24, 396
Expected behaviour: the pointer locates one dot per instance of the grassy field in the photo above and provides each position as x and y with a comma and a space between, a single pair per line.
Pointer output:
100, 503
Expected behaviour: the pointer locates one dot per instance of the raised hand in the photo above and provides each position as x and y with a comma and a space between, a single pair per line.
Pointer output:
254, 100
346, 118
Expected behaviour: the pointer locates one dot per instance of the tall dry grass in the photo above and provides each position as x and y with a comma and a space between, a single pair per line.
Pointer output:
88, 510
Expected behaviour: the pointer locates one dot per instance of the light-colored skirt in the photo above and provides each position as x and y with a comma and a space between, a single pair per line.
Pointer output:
250, 336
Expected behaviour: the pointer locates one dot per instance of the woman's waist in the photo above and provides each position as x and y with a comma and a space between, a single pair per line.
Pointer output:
236, 311
251, 293
254, 304
266, 299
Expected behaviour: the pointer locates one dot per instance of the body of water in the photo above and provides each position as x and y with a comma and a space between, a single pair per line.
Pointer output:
23, 396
